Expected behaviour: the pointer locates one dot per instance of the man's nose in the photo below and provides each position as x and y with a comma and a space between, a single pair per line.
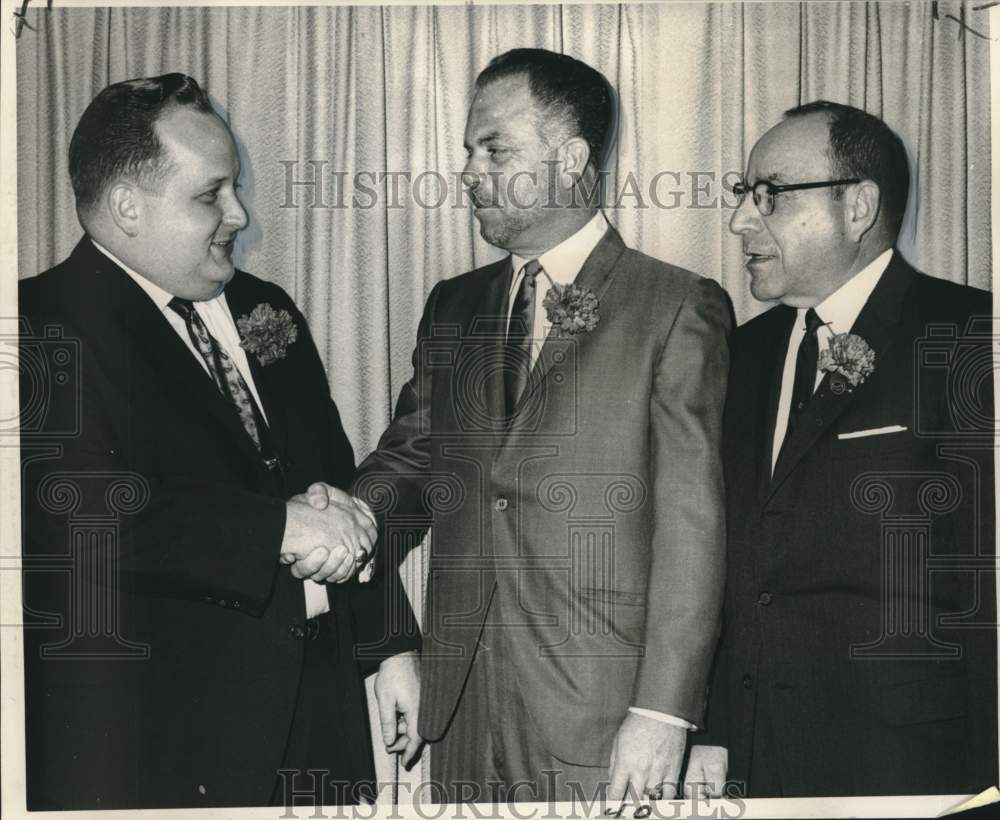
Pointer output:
745, 216
236, 215
470, 176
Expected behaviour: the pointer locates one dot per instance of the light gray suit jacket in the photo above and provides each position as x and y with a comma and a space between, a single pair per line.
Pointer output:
596, 513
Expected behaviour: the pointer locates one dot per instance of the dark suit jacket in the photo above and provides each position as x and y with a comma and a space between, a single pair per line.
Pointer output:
596, 514
164, 644
860, 600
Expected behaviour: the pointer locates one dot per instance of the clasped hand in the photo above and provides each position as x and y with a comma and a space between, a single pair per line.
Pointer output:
328, 535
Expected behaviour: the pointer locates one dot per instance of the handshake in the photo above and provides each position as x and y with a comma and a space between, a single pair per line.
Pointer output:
329, 535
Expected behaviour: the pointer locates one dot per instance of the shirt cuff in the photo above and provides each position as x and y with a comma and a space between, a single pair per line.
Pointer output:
663, 717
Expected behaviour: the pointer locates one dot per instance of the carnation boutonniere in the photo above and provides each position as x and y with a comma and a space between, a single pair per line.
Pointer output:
571, 309
267, 333
849, 361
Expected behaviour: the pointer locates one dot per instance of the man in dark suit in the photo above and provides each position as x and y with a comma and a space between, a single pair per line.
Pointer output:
171, 407
562, 434
858, 654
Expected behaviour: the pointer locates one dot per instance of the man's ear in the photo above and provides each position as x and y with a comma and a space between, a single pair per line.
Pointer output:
573, 156
124, 203
863, 205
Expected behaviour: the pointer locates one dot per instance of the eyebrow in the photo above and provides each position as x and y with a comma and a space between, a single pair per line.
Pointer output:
490, 137
214, 181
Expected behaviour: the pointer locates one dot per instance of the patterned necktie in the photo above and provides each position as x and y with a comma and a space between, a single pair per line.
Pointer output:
519, 329
224, 373
806, 362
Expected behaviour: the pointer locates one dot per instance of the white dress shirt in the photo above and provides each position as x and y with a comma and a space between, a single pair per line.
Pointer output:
562, 264
219, 321
839, 311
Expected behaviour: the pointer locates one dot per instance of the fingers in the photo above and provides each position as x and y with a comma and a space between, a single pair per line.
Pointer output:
335, 494
317, 496
338, 567
646, 759
706, 772
401, 738
308, 566
347, 524
387, 717
412, 747
326, 517
619, 782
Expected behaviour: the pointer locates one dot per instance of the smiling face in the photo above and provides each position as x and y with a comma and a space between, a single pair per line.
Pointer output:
509, 167
799, 254
185, 229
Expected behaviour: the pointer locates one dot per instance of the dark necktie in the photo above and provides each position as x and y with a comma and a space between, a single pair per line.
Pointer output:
224, 373
518, 348
806, 362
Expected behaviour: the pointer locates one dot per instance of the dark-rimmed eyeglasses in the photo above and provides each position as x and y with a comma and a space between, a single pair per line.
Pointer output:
764, 192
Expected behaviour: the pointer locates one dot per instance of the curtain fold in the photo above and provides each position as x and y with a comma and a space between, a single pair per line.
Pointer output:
349, 122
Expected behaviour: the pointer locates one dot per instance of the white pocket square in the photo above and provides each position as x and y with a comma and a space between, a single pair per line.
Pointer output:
874, 431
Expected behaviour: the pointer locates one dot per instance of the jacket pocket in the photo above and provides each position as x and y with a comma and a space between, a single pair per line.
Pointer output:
921, 701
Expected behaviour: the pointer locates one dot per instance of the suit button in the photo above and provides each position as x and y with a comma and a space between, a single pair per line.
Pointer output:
747, 682
297, 631
819, 422
236, 604
222, 602
764, 598
501, 504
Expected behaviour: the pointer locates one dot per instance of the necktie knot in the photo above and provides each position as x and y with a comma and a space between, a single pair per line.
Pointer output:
531, 270
813, 322
183, 307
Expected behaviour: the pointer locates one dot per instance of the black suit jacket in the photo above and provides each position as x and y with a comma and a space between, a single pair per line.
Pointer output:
163, 640
860, 608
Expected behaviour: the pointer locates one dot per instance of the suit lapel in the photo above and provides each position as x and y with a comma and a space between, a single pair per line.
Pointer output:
491, 324
875, 324
596, 274
144, 327
772, 367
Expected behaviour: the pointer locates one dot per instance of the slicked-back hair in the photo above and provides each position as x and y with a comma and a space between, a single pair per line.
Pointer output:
864, 147
115, 137
570, 91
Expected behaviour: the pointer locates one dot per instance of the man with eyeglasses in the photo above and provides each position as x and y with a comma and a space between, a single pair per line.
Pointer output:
858, 654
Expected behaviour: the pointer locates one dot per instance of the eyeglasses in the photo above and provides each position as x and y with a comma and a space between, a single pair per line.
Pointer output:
764, 192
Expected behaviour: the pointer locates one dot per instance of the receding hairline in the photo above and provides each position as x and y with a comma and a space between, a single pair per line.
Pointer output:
545, 114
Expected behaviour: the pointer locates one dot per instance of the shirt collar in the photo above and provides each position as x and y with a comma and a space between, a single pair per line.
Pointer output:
563, 262
840, 310
159, 296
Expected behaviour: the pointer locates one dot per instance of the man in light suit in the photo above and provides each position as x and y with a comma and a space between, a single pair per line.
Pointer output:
858, 654
561, 432
172, 406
